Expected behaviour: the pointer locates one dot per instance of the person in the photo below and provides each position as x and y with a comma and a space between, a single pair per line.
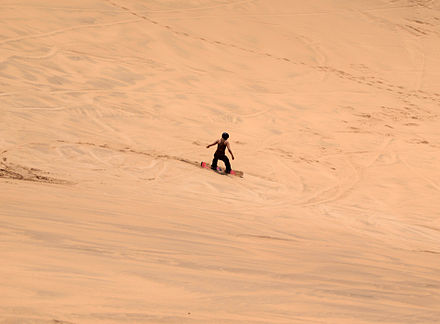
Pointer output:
219, 154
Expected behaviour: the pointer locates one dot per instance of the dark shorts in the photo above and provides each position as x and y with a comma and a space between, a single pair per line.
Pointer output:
223, 158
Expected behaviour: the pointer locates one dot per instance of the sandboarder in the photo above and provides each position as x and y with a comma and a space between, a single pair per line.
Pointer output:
222, 144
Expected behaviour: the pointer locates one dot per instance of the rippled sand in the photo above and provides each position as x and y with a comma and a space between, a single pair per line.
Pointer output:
106, 107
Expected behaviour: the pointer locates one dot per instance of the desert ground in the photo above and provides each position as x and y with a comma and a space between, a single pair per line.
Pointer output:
333, 111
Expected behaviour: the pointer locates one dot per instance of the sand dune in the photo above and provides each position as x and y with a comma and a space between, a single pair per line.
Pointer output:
333, 111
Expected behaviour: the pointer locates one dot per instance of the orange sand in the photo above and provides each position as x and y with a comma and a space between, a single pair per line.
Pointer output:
333, 111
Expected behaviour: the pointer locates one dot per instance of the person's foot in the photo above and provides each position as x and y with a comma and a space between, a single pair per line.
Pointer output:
213, 168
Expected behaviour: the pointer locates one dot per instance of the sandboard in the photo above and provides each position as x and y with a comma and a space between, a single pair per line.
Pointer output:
221, 171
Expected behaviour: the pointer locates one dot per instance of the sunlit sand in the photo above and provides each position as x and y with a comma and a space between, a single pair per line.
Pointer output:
332, 107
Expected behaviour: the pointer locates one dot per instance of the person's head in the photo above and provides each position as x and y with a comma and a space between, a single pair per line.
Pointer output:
225, 136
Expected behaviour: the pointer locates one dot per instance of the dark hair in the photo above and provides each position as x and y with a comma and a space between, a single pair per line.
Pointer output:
225, 136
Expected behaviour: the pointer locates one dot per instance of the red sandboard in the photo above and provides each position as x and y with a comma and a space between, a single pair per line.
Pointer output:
221, 171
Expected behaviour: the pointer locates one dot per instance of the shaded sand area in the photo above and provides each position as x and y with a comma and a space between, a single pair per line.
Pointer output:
106, 107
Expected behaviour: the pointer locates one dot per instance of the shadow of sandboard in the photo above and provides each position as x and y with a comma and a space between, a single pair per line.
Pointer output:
219, 170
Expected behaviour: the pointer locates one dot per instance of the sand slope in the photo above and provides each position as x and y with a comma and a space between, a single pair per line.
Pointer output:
106, 107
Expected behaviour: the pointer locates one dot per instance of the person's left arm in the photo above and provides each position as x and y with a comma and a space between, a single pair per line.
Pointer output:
229, 149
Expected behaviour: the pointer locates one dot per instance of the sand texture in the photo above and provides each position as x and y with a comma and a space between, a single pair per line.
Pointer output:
106, 108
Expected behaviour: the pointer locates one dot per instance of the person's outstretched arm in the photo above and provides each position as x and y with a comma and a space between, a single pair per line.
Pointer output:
208, 146
229, 149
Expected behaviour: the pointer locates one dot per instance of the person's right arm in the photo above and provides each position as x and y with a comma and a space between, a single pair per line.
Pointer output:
208, 146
